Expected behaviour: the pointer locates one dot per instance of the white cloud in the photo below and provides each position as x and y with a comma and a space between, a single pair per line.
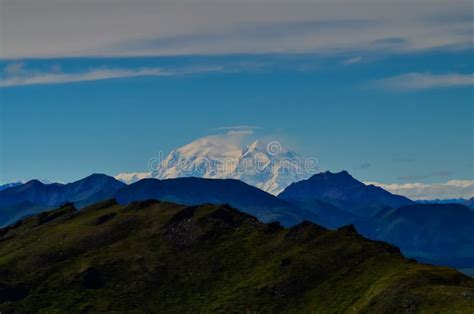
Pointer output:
20, 76
353, 60
240, 132
51, 28
422, 81
420, 191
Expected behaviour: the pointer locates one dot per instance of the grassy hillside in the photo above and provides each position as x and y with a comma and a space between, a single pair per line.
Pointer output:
151, 256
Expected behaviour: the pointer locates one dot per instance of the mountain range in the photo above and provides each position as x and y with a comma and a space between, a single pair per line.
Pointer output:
156, 257
35, 196
466, 202
423, 231
269, 166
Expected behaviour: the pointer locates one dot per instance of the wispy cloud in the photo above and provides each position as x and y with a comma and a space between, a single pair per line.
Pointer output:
239, 130
423, 81
35, 78
353, 60
15, 74
419, 191
51, 28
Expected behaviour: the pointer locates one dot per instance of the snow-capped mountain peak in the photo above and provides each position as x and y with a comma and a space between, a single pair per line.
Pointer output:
132, 177
209, 157
271, 166
266, 165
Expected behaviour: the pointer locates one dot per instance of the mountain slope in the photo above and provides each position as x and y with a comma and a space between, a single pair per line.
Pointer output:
9, 185
160, 257
437, 233
327, 215
470, 203
345, 192
195, 191
35, 196
20, 210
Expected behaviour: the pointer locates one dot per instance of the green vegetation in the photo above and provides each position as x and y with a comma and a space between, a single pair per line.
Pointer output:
162, 257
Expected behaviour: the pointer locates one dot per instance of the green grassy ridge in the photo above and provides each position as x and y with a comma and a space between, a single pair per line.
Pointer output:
161, 257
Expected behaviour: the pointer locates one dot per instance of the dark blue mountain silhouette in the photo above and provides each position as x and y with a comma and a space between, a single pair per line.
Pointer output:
436, 233
344, 192
192, 191
35, 196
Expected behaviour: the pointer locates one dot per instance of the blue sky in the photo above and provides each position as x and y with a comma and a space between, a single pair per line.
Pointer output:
395, 106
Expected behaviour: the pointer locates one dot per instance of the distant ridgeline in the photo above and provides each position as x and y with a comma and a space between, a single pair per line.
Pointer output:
434, 233
158, 257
